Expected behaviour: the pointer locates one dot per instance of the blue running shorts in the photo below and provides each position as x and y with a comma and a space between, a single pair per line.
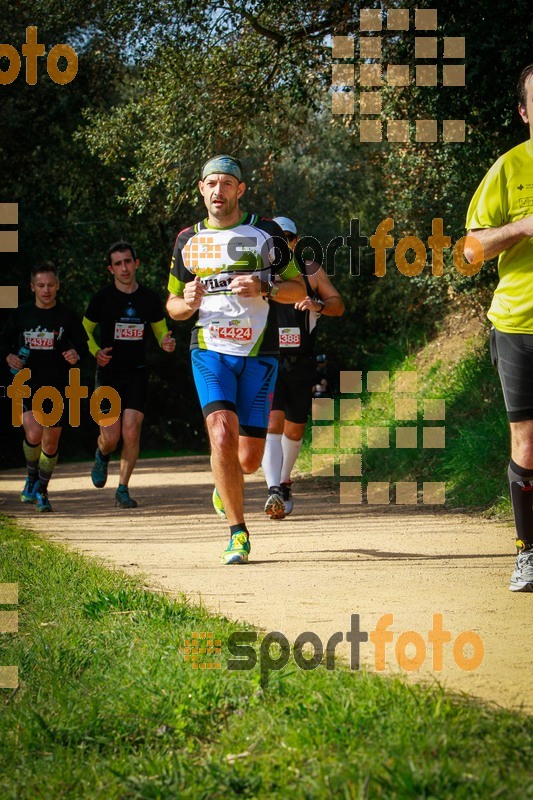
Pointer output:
243, 384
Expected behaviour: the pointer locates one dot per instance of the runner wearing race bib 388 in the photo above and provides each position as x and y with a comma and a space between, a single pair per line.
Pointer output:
297, 325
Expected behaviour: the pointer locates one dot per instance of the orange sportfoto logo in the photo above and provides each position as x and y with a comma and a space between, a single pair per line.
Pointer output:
32, 50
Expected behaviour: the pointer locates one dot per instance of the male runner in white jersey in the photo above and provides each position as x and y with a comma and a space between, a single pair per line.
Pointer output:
500, 218
224, 268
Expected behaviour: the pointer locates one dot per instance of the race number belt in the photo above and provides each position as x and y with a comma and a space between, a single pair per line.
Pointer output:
129, 331
236, 330
289, 337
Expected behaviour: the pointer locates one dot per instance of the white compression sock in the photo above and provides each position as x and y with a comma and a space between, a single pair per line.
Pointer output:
272, 459
291, 451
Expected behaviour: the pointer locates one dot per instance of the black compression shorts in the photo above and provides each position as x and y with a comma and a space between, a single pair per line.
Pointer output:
48, 406
132, 389
512, 353
294, 387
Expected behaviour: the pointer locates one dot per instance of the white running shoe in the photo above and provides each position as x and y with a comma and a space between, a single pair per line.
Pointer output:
522, 577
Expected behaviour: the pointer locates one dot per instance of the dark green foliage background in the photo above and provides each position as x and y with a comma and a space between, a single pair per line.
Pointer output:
162, 85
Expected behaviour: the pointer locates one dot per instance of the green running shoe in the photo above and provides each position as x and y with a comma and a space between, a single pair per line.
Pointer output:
237, 550
217, 504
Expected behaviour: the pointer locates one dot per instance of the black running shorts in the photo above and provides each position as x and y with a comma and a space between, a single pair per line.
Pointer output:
132, 389
512, 353
48, 406
294, 387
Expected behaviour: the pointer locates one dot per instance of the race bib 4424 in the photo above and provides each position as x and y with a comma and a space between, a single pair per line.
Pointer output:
237, 330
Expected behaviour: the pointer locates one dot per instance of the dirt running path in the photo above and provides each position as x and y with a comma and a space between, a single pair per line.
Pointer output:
310, 572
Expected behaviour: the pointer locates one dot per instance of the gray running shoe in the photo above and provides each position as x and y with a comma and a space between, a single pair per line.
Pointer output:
274, 506
286, 493
522, 577
123, 499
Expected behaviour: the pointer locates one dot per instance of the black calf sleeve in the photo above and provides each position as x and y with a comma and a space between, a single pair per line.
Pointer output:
521, 489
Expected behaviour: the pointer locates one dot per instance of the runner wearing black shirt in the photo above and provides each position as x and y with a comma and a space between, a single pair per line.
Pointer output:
123, 310
296, 325
55, 341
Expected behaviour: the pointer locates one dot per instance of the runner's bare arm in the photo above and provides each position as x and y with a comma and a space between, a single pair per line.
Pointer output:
291, 291
495, 240
331, 304
182, 308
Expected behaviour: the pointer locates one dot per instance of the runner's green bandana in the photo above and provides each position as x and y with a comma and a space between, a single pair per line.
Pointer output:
226, 165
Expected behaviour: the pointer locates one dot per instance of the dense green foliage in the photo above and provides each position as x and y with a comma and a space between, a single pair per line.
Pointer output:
108, 708
163, 83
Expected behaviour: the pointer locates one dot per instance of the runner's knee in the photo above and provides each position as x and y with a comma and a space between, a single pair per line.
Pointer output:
250, 462
522, 443
223, 433
276, 421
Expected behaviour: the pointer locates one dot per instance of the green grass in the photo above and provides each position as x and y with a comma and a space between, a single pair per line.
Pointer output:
107, 708
473, 463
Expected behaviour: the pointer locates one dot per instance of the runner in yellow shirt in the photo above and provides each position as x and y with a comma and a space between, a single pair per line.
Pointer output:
500, 217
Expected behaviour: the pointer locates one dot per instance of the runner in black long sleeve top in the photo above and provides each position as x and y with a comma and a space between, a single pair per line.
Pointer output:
56, 340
